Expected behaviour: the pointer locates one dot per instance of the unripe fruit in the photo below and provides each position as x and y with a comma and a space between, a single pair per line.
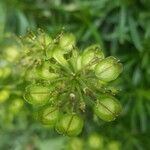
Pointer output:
67, 41
58, 55
108, 108
70, 124
90, 53
37, 95
49, 116
108, 69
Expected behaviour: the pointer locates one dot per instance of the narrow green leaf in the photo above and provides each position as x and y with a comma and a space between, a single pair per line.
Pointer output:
2, 19
135, 34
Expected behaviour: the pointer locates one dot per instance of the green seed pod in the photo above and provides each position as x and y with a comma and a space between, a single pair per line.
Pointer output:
90, 53
37, 95
43, 72
108, 69
4, 95
96, 142
70, 124
66, 42
108, 108
58, 55
49, 115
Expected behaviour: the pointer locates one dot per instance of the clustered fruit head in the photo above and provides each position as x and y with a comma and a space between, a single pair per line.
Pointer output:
62, 79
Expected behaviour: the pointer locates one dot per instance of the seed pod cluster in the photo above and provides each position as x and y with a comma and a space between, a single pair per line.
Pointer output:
61, 81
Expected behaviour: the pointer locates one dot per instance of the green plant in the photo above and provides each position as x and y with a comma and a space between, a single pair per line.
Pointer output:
68, 80
122, 29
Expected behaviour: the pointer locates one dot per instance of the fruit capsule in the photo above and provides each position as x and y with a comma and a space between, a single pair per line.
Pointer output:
37, 94
66, 42
107, 108
90, 53
70, 124
108, 69
49, 116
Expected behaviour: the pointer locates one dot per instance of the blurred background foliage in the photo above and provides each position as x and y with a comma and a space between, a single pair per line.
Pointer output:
122, 27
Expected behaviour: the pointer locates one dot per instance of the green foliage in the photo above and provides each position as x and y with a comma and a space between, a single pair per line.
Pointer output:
121, 27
